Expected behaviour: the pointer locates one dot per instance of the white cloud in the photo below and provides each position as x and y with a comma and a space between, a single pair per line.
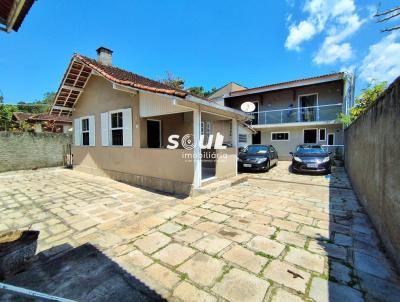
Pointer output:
343, 6
383, 61
330, 52
339, 20
298, 34
349, 68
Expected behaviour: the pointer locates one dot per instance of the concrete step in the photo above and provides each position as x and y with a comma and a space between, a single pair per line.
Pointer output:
219, 185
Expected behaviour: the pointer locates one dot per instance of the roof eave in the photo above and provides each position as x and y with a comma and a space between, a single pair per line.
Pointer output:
305, 82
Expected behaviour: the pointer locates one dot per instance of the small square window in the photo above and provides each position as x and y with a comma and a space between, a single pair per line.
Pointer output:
242, 138
280, 136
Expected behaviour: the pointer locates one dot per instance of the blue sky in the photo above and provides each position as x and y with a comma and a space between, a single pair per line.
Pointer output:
207, 43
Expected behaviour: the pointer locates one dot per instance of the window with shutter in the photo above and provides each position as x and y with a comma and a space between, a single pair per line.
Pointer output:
85, 132
117, 130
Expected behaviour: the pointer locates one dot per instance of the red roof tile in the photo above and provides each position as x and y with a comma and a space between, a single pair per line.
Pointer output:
40, 117
127, 78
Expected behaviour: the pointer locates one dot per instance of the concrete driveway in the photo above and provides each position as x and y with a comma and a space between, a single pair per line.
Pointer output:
277, 237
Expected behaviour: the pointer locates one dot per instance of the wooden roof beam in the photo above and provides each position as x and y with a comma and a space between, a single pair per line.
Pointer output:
71, 88
55, 107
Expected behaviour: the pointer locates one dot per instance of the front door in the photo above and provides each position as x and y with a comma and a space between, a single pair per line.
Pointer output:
153, 134
257, 138
308, 114
310, 136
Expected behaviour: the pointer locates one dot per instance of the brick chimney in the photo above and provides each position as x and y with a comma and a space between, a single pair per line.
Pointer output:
104, 56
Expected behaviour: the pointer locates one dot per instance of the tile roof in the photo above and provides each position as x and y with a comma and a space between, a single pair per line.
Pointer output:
21, 116
40, 117
127, 78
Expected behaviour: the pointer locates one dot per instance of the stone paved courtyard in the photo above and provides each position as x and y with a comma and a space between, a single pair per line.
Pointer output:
276, 237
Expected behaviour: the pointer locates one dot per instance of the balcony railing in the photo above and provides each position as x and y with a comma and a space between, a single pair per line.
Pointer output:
297, 115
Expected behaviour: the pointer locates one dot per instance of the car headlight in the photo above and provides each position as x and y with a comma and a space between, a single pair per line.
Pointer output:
326, 159
261, 160
297, 159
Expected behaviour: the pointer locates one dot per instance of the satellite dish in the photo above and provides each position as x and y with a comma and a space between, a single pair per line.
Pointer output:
248, 107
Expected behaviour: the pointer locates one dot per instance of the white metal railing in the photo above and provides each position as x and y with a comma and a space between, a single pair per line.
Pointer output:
297, 114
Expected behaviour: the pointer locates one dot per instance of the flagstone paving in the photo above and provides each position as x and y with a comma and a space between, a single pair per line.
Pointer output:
276, 237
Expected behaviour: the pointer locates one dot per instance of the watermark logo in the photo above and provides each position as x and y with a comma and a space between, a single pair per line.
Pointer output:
189, 143
208, 151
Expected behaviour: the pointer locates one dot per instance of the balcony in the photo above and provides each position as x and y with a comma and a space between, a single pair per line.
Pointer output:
297, 115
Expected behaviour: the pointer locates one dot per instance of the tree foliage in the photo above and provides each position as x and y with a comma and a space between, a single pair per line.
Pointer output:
38, 106
367, 97
173, 81
200, 91
179, 83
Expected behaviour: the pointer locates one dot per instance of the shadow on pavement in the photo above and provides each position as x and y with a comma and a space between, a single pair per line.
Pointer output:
82, 274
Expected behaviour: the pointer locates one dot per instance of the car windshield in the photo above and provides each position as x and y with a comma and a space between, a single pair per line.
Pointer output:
256, 149
310, 149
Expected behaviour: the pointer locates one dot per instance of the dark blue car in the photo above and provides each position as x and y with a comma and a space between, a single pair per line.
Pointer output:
311, 158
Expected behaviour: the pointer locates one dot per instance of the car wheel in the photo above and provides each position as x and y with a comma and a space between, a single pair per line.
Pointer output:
267, 166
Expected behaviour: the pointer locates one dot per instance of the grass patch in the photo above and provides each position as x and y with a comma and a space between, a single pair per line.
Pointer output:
225, 270
183, 276
262, 254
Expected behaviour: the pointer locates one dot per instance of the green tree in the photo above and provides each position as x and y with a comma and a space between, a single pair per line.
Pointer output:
38, 106
199, 91
210, 92
367, 97
173, 81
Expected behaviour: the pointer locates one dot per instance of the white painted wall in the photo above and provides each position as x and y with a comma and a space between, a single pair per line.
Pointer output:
296, 138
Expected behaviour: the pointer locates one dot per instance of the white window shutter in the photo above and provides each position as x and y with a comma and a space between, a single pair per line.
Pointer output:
127, 125
105, 129
77, 132
92, 131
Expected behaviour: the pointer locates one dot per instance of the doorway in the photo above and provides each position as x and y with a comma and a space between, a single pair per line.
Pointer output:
331, 139
153, 134
308, 114
255, 113
310, 136
257, 138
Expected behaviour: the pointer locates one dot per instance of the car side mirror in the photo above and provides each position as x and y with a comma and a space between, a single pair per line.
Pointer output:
291, 153
241, 149
330, 152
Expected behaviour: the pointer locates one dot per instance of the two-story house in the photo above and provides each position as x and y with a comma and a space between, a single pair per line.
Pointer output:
298, 112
